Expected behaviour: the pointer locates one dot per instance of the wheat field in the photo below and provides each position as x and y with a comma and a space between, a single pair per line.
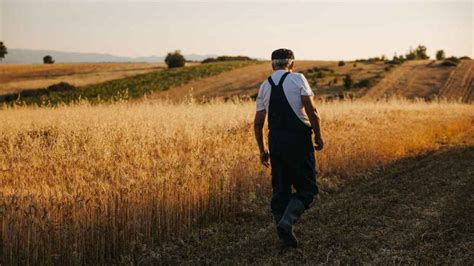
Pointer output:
89, 184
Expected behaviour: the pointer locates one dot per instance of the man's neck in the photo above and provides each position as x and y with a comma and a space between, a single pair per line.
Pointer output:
284, 69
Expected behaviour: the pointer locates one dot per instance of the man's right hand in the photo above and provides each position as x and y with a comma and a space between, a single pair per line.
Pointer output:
318, 140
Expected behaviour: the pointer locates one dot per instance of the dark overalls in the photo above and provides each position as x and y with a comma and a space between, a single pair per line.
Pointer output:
291, 153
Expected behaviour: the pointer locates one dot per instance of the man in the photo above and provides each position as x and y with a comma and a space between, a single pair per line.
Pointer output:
292, 117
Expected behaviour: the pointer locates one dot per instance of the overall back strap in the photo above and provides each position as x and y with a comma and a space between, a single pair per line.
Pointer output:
280, 83
271, 81
283, 79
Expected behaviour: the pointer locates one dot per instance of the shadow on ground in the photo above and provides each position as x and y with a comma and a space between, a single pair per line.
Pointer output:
417, 210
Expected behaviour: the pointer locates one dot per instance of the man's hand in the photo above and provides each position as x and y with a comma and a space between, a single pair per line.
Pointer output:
318, 140
314, 120
264, 159
260, 117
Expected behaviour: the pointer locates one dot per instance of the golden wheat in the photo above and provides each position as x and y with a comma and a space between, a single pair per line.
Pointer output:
88, 184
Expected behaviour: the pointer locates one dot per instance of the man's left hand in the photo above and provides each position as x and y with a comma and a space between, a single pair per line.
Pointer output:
318, 140
264, 158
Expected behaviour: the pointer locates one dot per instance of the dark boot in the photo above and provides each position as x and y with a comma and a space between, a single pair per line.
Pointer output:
277, 218
285, 227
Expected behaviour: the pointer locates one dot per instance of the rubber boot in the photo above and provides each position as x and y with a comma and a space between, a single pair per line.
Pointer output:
285, 227
277, 218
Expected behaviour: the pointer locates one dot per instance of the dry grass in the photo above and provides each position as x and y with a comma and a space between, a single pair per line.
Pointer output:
88, 184
14, 78
413, 79
460, 84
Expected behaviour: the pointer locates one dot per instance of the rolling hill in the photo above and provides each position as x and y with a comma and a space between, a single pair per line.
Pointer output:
325, 77
460, 84
369, 80
424, 79
427, 79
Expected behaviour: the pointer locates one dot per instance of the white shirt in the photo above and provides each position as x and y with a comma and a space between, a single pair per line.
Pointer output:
294, 86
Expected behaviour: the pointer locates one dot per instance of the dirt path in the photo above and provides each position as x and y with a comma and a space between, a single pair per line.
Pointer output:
418, 210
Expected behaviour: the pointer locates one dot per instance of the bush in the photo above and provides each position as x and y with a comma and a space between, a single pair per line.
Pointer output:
348, 82
226, 58
62, 86
397, 60
341, 63
451, 61
209, 60
3, 50
421, 52
48, 59
440, 55
365, 83
175, 59
465, 58
38, 93
371, 60
417, 54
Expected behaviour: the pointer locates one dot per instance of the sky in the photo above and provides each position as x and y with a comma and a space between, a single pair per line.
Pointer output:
312, 29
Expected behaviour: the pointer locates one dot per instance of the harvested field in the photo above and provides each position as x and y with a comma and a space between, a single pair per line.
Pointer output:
14, 78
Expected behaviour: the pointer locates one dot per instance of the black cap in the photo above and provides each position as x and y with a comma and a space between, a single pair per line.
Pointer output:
283, 53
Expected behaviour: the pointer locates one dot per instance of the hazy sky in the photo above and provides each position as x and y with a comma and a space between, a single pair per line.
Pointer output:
314, 30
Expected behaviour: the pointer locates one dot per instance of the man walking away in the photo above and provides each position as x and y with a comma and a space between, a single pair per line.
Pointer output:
283, 96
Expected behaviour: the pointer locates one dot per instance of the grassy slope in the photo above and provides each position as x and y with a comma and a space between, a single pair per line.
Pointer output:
413, 79
132, 87
15, 78
424, 79
417, 210
460, 85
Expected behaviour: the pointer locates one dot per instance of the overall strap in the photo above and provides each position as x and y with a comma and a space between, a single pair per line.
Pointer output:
280, 83
271, 81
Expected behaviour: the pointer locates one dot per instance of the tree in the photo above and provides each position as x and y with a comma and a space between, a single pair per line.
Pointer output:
421, 52
175, 59
440, 55
348, 82
341, 63
417, 54
411, 55
3, 51
48, 59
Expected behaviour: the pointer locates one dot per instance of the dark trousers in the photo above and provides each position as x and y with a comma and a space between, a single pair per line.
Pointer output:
292, 166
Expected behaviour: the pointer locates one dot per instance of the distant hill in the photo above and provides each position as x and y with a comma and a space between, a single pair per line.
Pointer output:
427, 79
27, 56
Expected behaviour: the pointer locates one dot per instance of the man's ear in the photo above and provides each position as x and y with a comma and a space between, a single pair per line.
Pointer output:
292, 65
